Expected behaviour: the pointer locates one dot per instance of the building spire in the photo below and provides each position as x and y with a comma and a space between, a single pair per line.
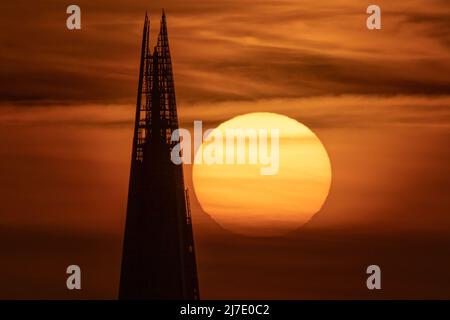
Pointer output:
158, 260
163, 23
163, 41
146, 19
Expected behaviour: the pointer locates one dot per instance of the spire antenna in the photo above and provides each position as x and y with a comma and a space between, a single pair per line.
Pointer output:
158, 259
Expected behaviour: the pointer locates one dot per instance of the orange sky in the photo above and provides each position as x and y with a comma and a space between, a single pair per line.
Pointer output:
378, 100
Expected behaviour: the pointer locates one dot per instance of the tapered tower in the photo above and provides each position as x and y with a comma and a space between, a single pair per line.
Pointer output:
158, 259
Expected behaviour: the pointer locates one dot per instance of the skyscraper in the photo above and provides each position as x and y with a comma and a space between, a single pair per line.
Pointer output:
158, 260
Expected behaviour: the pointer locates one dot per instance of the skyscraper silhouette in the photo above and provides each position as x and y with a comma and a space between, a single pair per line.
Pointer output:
158, 260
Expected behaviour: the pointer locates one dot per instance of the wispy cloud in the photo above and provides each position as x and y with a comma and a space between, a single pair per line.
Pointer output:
225, 50
343, 111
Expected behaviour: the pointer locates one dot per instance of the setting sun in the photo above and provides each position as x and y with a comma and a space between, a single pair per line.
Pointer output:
247, 202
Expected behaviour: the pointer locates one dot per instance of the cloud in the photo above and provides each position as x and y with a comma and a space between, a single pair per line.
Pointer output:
224, 51
342, 111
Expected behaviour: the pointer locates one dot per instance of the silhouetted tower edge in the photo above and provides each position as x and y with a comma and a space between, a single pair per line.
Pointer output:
158, 259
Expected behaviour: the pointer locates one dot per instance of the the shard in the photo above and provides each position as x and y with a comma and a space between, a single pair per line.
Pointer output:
158, 260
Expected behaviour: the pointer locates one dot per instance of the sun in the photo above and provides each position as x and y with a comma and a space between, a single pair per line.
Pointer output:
245, 201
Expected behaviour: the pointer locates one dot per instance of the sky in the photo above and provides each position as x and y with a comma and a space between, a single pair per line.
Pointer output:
378, 100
